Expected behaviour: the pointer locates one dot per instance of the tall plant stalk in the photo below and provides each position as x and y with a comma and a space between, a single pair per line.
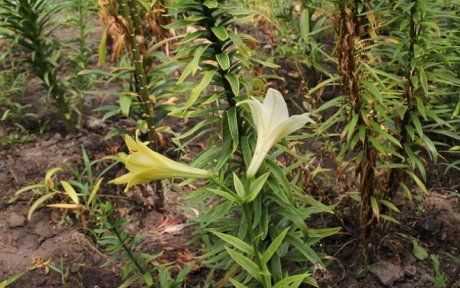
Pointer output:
30, 23
396, 175
130, 12
218, 48
349, 34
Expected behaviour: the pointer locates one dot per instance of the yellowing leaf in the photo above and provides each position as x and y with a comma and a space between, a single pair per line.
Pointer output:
96, 188
38, 203
49, 175
30, 187
65, 206
198, 90
417, 181
375, 207
102, 50
11, 279
68, 189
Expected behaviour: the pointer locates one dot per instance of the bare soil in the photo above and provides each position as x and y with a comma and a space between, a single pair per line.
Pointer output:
25, 244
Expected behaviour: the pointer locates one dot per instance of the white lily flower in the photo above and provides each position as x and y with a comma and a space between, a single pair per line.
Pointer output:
273, 123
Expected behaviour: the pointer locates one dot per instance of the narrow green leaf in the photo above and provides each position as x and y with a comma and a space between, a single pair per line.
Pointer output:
220, 32
389, 219
233, 127
11, 279
211, 4
198, 90
225, 195
193, 66
235, 242
256, 186
224, 61
305, 250
125, 104
234, 83
237, 284
292, 281
247, 264
274, 246
351, 126
323, 232
305, 24
148, 279
418, 251
390, 205
417, 124
28, 188
239, 186
423, 80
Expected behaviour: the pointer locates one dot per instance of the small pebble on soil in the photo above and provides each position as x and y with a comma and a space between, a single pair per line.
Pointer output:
387, 273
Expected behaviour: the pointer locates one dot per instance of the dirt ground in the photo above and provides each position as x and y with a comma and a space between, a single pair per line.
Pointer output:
24, 244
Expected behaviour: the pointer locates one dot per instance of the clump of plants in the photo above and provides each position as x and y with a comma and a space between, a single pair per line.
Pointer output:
29, 24
257, 220
376, 97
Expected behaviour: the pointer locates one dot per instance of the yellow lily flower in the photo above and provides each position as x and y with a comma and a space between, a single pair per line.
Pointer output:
145, 165
273, 123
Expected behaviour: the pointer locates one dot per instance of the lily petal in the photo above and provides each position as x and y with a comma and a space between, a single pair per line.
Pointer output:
145, 165
261, 151
259, 116
291, 125
276, 106
272, 123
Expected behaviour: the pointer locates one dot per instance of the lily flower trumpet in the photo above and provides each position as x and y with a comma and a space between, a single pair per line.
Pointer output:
273, 123
145, 165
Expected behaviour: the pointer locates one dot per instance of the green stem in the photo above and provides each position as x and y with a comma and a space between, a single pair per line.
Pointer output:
218, 47
396, 174
247, 212
127, 250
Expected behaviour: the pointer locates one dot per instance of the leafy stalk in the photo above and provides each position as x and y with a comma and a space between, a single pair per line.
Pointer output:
29, 23
129, 10
349, 31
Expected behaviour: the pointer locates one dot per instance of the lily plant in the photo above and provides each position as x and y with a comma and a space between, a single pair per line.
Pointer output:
145, 165
250, 197
273, 123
